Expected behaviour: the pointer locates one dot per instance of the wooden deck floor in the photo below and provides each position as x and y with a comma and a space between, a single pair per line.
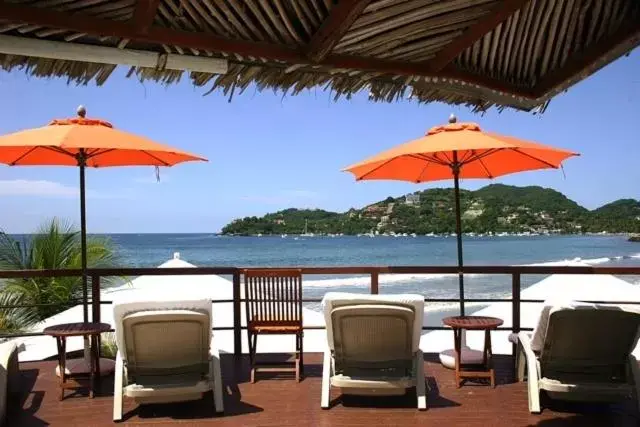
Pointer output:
283, 402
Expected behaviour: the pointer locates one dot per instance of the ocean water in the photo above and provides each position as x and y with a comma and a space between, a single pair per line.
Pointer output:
150, 250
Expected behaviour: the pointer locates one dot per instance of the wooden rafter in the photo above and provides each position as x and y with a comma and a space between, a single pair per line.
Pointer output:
588, 62
159, 35
501, 13
154, 35
340, 19
144, 14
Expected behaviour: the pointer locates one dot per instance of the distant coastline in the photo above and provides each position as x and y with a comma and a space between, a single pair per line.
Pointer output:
492, 210
630, 236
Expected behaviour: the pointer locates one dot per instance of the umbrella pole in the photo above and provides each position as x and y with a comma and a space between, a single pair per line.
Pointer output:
456, 184
83, 241
83, 250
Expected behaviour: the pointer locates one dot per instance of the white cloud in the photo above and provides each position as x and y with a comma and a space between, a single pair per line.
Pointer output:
40, 188
43, 188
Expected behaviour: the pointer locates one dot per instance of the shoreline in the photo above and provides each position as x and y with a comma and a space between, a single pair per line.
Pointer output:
431, 235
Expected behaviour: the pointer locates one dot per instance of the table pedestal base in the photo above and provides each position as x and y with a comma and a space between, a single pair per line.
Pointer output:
484, 369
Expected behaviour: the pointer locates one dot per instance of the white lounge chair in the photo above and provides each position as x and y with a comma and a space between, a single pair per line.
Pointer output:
581, 352
373, 345
165, 353
9, 375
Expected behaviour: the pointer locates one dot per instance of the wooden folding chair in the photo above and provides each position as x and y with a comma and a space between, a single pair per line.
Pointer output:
274, 307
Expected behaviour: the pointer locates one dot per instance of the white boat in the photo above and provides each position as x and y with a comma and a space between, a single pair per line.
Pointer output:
306, 230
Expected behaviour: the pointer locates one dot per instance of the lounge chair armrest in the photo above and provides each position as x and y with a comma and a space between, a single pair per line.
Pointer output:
213, 351
524, 340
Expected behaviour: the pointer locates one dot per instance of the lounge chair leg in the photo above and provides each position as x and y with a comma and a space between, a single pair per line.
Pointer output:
326, 380
118, 388
215, 374
252, 356
635, 371
534, 390
301, 354
420, 381
520, 363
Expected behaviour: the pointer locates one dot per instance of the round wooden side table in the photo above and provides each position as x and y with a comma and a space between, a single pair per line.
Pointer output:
482, 323
91, 330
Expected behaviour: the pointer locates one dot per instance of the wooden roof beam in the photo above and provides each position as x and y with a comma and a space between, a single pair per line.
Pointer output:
154, 35
590, 61
159, 35
144, 14
340, 19
475, 32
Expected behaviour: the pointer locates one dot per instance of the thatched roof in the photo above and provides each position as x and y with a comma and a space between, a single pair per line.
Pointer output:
515, 53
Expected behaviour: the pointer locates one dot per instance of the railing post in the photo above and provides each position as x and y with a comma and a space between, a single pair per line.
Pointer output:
374, 282
237, 316
85, 298
515, 315
95, 298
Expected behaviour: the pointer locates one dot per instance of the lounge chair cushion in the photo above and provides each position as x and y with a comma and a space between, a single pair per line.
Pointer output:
122, 309
333, 300
540, 331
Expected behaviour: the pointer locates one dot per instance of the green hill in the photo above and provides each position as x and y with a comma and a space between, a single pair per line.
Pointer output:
494, 208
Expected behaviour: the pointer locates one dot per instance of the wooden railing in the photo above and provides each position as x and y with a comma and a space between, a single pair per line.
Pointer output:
516, 273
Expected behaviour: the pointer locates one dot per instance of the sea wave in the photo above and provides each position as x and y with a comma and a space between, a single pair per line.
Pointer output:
387, 279
383, 279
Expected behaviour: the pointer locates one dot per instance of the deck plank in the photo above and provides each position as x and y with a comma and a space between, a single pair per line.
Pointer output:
280, 401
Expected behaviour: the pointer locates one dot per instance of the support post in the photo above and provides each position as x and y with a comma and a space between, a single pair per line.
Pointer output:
374, 282
237, 316
95, 298
515, 315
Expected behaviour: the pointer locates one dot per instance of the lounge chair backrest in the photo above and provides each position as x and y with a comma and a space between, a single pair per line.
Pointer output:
273, 295
172, 336
594, 341
396, 309
372, 336
540, 330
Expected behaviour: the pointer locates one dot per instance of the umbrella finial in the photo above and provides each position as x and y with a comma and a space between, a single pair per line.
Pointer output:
452, 118
82, 112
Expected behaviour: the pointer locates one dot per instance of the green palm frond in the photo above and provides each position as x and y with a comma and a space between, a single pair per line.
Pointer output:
56, 245
15, 319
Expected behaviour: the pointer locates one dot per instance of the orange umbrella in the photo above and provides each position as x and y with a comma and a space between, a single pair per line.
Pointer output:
84, 143
458, 150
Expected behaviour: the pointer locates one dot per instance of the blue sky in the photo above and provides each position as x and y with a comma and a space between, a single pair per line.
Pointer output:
267, 152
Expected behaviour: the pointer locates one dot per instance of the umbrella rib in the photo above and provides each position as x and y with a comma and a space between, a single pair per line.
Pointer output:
32, 149
481, 155
97, 152
426, 165
376, 168
22, 156
534, 158
448, 160
155, 158
468, 155
485, 168
60, 151
421, 156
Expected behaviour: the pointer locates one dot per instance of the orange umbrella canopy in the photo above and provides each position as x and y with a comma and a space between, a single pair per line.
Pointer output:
63, 142
85, 143
454, 151
478, 154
